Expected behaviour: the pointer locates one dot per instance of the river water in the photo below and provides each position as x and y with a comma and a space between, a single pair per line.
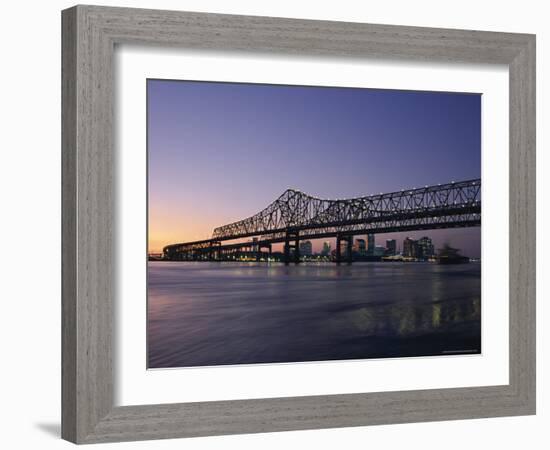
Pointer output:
208, 313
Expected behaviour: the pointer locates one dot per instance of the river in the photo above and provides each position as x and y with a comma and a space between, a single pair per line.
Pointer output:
212, 313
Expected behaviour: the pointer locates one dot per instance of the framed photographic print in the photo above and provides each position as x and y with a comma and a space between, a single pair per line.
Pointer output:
278, 224
272, 287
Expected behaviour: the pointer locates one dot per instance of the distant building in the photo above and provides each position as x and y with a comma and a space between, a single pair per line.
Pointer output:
370, 244
379, 251
391, 247
255, 246
326, 249
360, 247
410, 248
306, 248
425, 248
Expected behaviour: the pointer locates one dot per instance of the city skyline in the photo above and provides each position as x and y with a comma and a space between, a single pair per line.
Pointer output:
319, 246
220, 152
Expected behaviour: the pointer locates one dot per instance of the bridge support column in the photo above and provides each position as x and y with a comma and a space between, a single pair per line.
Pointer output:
338, 249
210, 252
287, 250
349, 249
216, 254
292, 235
259, 252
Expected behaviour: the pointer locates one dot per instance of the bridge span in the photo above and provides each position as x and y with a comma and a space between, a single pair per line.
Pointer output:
296, 216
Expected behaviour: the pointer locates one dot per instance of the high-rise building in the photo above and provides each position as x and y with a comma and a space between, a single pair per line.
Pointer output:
410, 248
425, 248
326, 249
360, 247
391, 247
306, 249
370, 244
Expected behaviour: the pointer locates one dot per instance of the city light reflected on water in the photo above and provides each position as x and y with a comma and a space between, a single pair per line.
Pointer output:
243, 313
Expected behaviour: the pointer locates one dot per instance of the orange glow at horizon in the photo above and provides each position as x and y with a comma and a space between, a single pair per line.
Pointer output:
162, 233
169, 226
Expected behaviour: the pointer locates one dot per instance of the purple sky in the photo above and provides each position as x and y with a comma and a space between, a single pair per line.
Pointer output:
220, 152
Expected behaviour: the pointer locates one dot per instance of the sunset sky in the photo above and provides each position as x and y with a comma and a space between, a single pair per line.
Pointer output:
220, 152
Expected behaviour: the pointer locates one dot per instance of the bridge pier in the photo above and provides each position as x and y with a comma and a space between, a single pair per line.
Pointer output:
286, 250
297, 250
217, 251
259, 251
289, 236
349, 249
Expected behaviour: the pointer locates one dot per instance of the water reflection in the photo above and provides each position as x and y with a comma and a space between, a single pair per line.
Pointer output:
224, 313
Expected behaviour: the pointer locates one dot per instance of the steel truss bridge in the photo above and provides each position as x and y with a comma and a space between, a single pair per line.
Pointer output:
296, 216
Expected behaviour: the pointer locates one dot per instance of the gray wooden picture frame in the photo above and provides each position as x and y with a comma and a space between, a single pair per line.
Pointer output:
89, 37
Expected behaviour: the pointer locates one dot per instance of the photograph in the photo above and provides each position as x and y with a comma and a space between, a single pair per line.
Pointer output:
307, 223
290, 224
